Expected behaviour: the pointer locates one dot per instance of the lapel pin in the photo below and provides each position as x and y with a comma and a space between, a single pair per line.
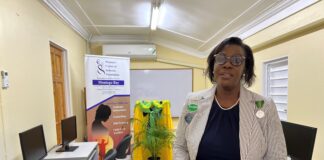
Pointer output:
188, 117
192, 108
260, 114
259, 106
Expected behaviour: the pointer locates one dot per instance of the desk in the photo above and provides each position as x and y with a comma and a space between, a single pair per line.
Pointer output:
85, 151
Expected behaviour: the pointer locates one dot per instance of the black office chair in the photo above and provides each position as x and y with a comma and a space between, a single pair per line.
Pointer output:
299, 140
111, 154
123, 147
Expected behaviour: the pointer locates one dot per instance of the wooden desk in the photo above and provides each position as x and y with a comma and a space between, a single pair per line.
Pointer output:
85, 151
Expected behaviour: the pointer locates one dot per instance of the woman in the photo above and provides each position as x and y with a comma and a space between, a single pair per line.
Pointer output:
229, 122
102, 115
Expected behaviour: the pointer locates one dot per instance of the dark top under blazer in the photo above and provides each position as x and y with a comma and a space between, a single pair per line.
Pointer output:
221, 137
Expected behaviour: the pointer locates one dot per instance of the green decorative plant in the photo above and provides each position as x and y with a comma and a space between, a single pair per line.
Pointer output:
153, 135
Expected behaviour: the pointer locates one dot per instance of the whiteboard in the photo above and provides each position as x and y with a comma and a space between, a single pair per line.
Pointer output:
173, 85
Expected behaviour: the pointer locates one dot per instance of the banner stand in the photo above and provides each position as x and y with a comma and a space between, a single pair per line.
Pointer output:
107, 100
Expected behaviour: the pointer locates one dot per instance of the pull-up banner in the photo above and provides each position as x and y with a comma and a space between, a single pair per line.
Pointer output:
108, 100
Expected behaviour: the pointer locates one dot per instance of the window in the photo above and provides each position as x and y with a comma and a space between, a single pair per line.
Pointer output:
276, 84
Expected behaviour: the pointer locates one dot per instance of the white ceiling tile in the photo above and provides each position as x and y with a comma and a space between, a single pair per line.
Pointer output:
200, 19
94, 31
117, 12
124, 30
173, 37
71, 6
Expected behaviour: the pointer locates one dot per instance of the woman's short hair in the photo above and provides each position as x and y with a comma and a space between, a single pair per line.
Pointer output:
249, 60
103, 112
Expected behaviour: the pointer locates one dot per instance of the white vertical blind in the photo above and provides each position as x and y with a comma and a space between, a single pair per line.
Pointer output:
276, 84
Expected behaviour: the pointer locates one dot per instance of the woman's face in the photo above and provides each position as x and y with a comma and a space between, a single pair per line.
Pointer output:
228, 76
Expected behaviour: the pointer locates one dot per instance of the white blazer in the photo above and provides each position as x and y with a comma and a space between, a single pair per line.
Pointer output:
260, 138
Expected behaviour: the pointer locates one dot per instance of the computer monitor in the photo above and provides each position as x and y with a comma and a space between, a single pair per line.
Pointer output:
69, 133
300, 140
33, 144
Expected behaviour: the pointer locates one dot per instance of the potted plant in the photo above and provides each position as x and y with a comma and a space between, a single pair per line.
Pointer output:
154, 136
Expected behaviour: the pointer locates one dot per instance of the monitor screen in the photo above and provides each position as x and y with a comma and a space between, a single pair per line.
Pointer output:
33, 144
69, 133
299, 140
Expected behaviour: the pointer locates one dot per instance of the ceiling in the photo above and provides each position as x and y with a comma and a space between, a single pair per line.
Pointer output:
190, 26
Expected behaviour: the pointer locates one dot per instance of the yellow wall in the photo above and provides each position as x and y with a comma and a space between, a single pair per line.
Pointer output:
2, 144
304, 47
26, 27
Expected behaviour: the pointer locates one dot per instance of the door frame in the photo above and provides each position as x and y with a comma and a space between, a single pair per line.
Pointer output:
67, 82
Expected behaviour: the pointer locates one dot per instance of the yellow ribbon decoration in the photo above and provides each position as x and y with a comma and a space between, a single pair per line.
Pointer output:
158, 104
144, 105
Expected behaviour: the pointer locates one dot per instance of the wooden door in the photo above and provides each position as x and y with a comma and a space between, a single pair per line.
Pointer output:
58, 88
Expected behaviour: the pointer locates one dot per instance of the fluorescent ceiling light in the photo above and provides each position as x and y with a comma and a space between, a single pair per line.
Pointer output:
155, 17
155, 13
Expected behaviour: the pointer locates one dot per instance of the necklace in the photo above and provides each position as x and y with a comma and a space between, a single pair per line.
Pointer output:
228, 107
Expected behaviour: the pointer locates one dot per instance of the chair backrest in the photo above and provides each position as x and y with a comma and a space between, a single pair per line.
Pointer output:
111, 154
123, 146
299, 140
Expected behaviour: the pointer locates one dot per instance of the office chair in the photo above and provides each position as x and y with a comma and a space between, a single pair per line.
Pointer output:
123, 146
299, 139
111, 154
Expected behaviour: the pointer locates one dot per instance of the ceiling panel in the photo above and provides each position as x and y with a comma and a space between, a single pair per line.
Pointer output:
76, 12
121, 39
123, 30
239, 24
94, 31
117, 12
176, 38
200, 19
